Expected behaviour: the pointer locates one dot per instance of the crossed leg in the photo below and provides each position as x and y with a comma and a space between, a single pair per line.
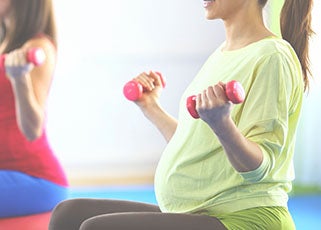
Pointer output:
102, 214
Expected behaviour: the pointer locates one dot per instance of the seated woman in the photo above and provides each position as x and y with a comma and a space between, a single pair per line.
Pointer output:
31, 178
232, 168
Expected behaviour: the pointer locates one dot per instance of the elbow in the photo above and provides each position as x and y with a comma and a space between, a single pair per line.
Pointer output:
31, 133
259, 173
30, 123
253, 179
32, 137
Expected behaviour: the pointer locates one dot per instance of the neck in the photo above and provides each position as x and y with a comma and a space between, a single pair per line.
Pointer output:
244, 29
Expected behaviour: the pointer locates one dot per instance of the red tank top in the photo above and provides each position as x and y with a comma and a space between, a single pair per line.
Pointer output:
34, 158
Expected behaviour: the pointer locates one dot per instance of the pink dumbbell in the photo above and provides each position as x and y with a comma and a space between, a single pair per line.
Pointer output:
133, 90
234, 92
35, 56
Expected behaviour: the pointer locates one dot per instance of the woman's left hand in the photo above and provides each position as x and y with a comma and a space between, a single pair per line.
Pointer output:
16, 64
213, 105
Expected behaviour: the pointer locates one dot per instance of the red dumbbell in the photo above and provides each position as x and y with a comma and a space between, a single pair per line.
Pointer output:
133, 90
35, 56
234, 92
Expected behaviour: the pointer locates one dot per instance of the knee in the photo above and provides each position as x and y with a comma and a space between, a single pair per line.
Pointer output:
65, 207
62, 214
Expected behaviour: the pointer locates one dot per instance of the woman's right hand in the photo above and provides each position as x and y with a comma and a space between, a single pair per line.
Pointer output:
153, 84
152, 88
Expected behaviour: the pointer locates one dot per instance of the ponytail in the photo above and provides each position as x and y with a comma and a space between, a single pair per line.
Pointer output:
296, 29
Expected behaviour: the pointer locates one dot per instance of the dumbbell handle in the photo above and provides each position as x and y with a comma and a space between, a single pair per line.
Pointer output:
35, 56
234, 92
133, 90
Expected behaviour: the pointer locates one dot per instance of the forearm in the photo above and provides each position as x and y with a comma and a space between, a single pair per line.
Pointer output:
164, 122
243, 154
29, 113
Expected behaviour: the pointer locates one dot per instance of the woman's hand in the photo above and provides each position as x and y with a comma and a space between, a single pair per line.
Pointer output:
31, 85
16, 64
214, 108
153, 84
152, 88
213, 105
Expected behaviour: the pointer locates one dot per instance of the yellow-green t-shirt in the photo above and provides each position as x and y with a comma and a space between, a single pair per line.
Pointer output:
194, 174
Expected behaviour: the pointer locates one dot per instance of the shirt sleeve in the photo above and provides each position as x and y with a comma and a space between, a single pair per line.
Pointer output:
264, 117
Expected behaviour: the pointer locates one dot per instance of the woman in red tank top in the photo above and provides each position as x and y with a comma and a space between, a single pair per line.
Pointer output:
31, 178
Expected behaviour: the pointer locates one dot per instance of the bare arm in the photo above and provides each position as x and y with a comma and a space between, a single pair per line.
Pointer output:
149, 104
214, 108
31, 86
164, 122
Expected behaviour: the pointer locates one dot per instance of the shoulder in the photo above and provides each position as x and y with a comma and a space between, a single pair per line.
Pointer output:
278, 58
276, 46
278, 50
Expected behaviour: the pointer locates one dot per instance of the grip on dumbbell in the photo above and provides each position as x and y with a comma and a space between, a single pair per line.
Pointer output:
133, 90
35, 56
234, 92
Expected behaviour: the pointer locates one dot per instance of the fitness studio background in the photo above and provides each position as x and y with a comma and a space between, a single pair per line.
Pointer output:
103, 139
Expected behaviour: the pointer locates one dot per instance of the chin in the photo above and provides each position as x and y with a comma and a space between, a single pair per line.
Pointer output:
210, 17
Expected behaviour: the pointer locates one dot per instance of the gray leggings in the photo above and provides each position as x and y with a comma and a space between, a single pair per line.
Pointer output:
103, 214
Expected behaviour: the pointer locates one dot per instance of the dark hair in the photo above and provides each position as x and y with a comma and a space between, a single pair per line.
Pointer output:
296, 28
28, 19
